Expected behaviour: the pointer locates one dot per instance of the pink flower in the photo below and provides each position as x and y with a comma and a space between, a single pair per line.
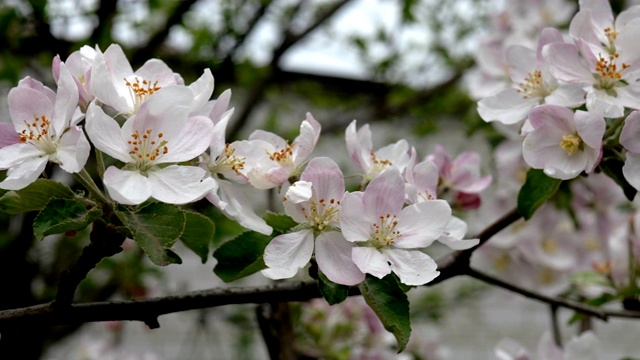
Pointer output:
388, 237
315, 203
274, 160
160, 134
563, 143
45, 123
462, 174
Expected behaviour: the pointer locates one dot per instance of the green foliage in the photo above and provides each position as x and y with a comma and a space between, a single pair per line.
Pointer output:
391, 304
537, 189
241, 256
198, 234
34, 197
155, 227
332, 292
62, 215
280, 223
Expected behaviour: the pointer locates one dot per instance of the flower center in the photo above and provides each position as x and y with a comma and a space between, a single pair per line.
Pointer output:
533, 86
571, 143
140, 91
283, 157
611, 35
38, 133
607, 72
549, 246
384, 231
322, 213
147, 148
228, 161
378, 165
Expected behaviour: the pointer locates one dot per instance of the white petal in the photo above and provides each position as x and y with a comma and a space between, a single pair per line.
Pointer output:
66, 101
298, 192
240, 209
413, 267
202, 90
73, 150
105, 134
370, 261
333, 254
384, 194
354, 222
177, 184
507, 107
15, 154
287, 253
23, 174
421, 224
126, 187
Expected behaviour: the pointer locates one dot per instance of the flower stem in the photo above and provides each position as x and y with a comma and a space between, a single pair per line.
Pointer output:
100, 161
85, 179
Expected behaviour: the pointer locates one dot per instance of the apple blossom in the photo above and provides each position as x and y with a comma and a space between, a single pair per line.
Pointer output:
388, 237
45, 123
315, 203
150, 144
629, 139
533, 85
275, 160
372, 163
79, 63
563, 143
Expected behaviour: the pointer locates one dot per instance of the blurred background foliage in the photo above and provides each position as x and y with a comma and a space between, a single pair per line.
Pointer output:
411, 62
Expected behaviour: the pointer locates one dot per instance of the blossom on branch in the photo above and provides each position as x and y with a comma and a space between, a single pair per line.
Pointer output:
150, 144
46, 127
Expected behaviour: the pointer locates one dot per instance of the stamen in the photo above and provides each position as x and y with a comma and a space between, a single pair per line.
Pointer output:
571, 143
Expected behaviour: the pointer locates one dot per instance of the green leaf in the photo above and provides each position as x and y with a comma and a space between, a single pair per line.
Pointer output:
241, 256
155, 227
332, 292
612, 167
62, 215
34, 197
537, 189
198, 234
279, 222
391, 305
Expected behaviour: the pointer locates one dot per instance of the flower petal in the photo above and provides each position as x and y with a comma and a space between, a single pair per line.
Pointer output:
23, 174
370, 261
73, 150
333, 254
384, 194
413, 267
126, 187
421, 224
177, 184
287, 253
355, 223
240, 209
105, 134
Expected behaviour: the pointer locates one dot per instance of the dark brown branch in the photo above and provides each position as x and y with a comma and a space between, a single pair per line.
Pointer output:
574, 305
105, 13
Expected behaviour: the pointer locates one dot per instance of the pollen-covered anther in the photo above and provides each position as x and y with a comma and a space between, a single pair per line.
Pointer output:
384, 231
141, 90
532, 85
36, 130
322, 213
147, 147
283, 156
571, 143
236, 163
608, 72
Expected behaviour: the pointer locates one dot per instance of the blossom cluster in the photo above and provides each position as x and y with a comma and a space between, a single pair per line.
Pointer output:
165, 142
575, 96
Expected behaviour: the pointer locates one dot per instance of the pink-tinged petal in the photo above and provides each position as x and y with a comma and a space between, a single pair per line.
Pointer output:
326, 177
413, 267
73, 150
552, 116
384, 194
601, 12
355, 222
425, 177
66, 101
631, 169
421, 224
602, 103
627, 39
630, 135
522, 61
276, 141
359, 145
298, 192
202, 90
267, 178
177, 184
566, 64
219, 108
333, 254
33, 84
126, 187
304, 144
191, 142
15, 154
156, 70
23, 174
582, 27
240, 209
103, 76
456, 228
465, 175
507, 107
590, 128
218, 142
547, 36
105, 134
288, 253
541, 145
165, 111
370, 261
8, 135
24, 104
567, 95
